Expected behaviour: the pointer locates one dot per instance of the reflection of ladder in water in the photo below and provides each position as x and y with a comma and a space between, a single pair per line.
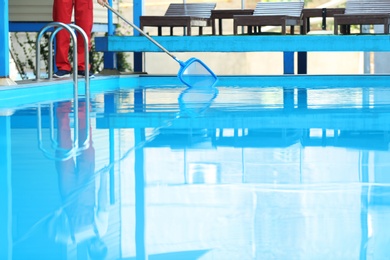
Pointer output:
76, 149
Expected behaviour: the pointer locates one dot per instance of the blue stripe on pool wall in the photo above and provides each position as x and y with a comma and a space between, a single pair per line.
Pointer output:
20, 95
246, 43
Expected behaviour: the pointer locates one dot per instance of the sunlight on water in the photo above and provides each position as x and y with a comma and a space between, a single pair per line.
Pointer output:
218, 173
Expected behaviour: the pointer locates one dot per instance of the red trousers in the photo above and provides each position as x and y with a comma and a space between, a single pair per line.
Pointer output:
83, 14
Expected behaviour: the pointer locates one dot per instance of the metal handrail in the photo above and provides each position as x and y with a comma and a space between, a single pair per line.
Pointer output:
66, 154
86, 77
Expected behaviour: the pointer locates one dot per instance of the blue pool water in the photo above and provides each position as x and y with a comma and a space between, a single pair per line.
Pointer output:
261, 168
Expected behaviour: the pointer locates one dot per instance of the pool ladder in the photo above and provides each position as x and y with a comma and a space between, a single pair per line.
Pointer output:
76, 149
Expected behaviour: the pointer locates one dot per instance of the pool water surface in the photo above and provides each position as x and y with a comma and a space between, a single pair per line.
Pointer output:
232, 172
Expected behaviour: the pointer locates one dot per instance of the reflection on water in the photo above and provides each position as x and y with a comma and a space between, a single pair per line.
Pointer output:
83, 216
252, 173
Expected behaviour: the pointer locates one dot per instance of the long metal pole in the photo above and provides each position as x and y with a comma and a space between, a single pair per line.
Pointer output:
141, 32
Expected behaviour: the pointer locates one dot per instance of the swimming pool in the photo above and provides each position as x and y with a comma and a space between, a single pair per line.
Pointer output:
286, 167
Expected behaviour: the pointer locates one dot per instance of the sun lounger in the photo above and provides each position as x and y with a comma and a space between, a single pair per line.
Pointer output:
220, 14
323, 13
181, 15
363, 12
272, 14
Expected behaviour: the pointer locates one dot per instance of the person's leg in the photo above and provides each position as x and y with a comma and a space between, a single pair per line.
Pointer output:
84, 19
62, 12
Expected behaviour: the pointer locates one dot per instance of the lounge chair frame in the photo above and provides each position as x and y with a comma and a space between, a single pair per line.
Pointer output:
181, 15
363, 12
282, 14
323, 13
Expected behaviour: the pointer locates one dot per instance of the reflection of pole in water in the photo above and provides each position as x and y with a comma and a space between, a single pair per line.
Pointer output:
364, 178
5, 189
140, 251
110, 107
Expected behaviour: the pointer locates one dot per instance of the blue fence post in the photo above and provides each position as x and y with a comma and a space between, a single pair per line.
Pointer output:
302, 62
288, 62
302, 69
138, 56
4, 45
110, 61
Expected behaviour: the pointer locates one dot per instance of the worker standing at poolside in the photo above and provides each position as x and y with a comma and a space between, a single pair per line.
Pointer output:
83, 16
